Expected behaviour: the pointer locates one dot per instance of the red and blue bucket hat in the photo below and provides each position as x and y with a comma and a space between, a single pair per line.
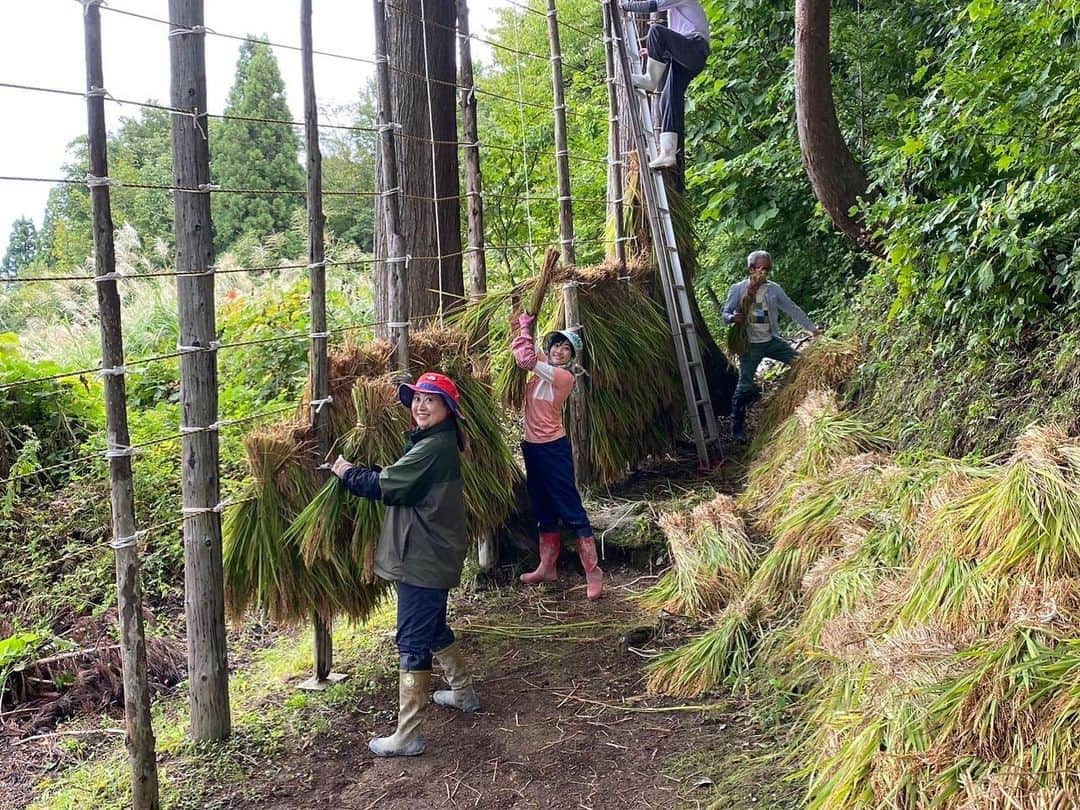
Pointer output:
431, 382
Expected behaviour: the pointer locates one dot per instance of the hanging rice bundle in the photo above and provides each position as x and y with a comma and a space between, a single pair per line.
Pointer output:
262, 570
711, 560
336, 527
339, 528
293, 550
634, 391
824, 365
721, 654
490, 475
346, 365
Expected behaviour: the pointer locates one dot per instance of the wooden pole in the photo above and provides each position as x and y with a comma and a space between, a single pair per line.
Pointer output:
615, 153
318, 366
139, 733
396, 262
486, 549
562, 153
204, 596
474, 184
582, 472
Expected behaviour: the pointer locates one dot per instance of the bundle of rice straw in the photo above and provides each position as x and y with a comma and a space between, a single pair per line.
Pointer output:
711, 560
296, 548
634, 395
824, 365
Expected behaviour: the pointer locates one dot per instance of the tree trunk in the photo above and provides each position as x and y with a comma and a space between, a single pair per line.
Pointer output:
426, 275
836, 177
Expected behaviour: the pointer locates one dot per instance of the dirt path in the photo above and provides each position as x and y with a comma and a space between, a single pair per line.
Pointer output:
564, 724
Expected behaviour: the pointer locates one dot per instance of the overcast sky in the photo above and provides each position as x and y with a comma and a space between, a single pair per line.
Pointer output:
41, 44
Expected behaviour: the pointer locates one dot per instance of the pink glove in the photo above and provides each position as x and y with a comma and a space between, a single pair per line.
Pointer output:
526, 321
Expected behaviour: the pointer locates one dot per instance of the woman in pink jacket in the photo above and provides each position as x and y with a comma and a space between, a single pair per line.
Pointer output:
549, 465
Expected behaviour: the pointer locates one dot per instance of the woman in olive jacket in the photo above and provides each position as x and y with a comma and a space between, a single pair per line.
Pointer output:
421, 549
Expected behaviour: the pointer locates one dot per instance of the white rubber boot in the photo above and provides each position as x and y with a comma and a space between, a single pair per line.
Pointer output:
669, 147
461, 694
412, 700
653, 78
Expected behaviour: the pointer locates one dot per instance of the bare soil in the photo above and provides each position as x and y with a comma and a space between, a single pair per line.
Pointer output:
564, 724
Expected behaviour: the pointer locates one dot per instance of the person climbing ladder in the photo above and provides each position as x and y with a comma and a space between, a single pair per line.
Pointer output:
676, 54
549, 465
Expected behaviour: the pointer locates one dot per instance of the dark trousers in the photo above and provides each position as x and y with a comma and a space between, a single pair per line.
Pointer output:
421, 625
775, 349
549, 478
686, 59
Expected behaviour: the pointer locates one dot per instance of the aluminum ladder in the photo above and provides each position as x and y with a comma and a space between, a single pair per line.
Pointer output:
679, 310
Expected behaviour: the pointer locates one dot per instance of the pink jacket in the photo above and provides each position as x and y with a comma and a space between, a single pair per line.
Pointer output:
545, 392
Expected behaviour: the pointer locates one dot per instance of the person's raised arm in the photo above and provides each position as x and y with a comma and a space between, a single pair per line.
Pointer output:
523, 345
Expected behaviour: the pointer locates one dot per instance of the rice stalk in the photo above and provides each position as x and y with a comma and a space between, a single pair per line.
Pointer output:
721, 654
711, 560
825, 365
261, 570
805, 446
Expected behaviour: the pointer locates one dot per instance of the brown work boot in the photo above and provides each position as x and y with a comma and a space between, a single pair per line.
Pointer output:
412, 701
461, 694
550, 546
594, 577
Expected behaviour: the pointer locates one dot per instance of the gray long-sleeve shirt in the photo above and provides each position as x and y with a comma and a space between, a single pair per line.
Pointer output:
775, 299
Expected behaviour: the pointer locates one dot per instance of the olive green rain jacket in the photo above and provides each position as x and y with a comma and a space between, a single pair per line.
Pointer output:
423, 539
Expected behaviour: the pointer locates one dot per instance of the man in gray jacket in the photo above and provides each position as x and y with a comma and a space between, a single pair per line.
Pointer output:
756, 302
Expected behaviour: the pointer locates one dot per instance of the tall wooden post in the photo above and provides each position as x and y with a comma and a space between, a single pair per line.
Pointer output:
204, 596
318, 367
474, 184
139, 733
486, 550
578, 435
396, 263
562, 154
615, 154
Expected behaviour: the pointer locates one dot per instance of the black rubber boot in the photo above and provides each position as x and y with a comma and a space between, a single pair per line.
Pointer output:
738, 417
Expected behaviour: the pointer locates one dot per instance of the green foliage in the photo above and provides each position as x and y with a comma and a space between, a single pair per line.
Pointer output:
50, 419
348, 164
141, 152
978, 213
22, 248
744, 167
248, 154
507, 127
66, 238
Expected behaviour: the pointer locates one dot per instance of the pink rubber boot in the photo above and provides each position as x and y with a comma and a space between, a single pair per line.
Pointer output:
594, 577
550, 546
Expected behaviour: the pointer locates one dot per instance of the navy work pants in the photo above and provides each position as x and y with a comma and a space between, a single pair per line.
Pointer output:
775, 349
549, 478
421, 625
686, 59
